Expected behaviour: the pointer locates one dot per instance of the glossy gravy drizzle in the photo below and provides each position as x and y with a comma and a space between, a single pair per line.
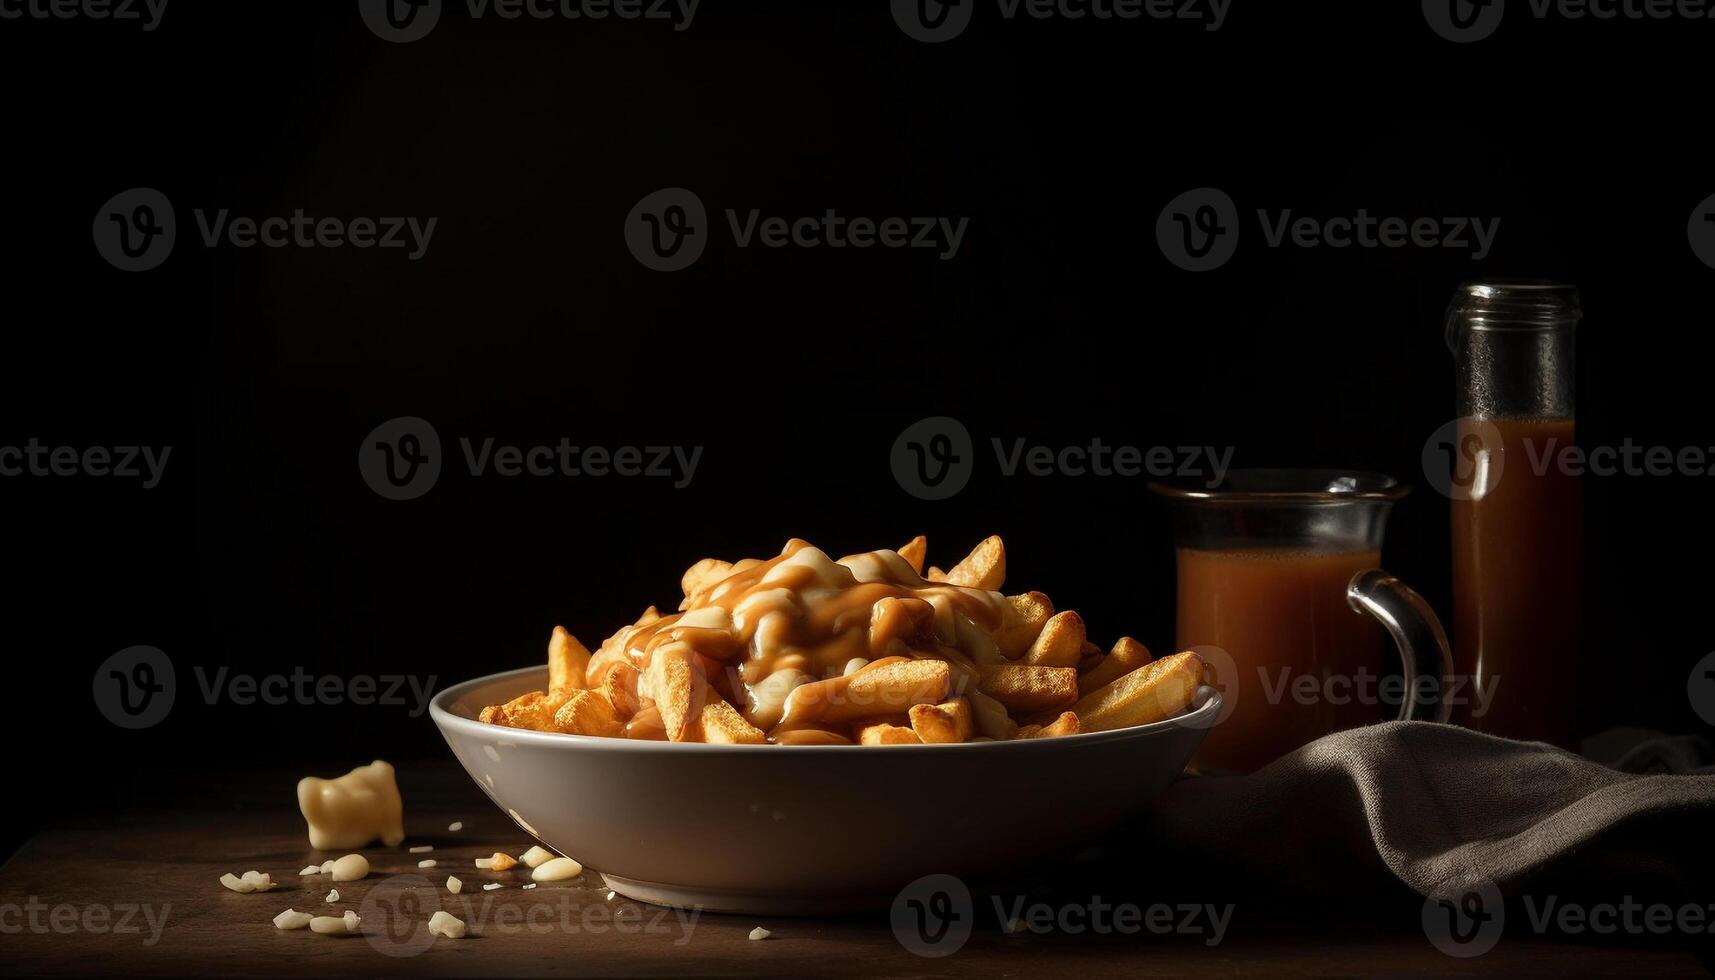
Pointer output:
769, 626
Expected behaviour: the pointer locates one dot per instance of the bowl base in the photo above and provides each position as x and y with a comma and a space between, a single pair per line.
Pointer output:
741, 902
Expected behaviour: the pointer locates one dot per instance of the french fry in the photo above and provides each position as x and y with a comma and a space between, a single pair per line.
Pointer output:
678, 689
1024, 689
989, 716
533, 711
768, 650
898, 620
1150, 693
721, 724
886, 733
1126, 656
619, 687
949, 721
1060, 644
587, 713
810, 736
1022, 622
646, 725
886, 686
914, 551
1066, 724
568, 661
705, 572
1090, 658
984, 568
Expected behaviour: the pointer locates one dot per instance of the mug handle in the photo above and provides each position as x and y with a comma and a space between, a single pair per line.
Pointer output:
1423, 649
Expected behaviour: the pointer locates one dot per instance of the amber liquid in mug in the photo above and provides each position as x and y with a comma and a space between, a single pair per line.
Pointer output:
1518, 582
1296, 645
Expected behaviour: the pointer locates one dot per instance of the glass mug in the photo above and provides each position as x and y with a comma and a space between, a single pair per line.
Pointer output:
1281, 591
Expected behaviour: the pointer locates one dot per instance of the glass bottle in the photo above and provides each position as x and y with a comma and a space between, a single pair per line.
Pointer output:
1518, 542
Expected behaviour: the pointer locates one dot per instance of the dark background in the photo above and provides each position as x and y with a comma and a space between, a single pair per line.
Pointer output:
528, 320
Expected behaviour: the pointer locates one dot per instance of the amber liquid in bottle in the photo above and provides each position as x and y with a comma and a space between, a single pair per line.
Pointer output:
1518, 563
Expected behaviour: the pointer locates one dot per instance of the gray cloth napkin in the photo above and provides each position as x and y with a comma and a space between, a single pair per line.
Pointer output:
1436, 805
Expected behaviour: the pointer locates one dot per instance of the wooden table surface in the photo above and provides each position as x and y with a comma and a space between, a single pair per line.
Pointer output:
137, 892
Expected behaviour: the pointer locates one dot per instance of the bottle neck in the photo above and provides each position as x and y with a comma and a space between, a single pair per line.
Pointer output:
1513, 349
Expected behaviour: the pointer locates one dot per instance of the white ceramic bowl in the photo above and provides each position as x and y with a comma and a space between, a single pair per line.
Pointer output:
806, 829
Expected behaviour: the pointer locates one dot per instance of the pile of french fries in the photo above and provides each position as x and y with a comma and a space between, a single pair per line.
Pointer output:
756, 654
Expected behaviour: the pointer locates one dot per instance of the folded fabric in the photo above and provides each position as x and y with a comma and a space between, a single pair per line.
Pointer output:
1435, 806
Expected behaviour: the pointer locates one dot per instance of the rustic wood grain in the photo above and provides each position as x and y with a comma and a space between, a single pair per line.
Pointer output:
170, 857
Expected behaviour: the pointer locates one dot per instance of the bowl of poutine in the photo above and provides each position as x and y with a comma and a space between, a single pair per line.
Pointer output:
806, 735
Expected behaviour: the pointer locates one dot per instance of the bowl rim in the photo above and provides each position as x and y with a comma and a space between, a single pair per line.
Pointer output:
1203, 716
